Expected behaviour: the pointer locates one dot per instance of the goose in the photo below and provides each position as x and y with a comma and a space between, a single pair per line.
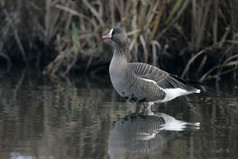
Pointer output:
141, 82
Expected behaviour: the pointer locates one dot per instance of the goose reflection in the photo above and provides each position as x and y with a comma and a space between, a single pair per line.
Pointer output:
144, 133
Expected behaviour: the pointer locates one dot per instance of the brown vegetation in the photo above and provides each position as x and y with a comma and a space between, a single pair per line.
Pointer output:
61, 35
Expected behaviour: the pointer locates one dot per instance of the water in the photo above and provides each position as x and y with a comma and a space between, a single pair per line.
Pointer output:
83, 117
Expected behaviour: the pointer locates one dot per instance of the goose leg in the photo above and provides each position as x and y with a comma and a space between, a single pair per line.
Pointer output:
148, 105
147, 109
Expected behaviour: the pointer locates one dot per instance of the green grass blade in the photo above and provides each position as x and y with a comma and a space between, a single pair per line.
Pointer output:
75, 37
174, 10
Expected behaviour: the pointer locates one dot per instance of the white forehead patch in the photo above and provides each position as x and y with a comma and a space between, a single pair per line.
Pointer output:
110, 33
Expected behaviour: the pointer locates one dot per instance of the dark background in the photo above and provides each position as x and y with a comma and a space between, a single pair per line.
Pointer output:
193, 39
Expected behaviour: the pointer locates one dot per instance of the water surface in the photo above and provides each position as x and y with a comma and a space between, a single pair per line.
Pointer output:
83, 117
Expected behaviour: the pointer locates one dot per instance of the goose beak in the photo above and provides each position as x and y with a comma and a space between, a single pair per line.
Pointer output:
109, 35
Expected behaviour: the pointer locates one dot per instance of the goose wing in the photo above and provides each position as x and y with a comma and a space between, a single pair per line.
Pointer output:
162, 78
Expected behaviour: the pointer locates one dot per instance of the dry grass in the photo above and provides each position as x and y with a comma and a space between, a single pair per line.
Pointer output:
161, 32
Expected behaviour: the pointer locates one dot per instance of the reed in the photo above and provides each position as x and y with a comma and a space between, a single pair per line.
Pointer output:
161, 32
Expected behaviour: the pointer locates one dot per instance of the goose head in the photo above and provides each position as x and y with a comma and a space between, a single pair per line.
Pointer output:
117, 35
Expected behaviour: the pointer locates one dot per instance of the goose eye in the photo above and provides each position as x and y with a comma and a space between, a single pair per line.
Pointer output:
115, 32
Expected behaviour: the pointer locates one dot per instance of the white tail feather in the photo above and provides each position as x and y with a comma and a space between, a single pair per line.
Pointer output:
172, 93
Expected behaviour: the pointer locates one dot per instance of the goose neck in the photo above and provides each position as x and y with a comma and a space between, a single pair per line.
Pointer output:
122, 49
